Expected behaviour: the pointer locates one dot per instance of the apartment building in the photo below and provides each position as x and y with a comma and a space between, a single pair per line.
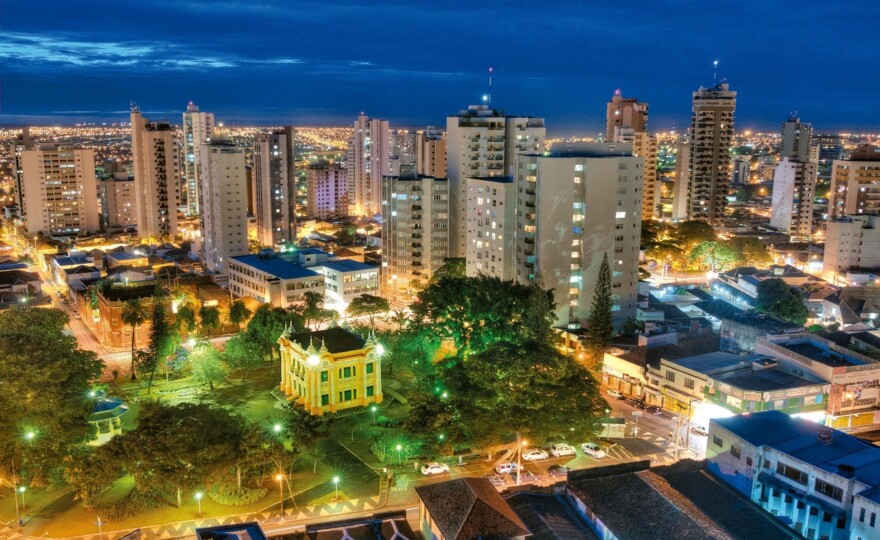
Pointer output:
491, 223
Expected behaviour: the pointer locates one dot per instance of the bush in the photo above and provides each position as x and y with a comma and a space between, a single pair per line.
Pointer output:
232, 495
133, 504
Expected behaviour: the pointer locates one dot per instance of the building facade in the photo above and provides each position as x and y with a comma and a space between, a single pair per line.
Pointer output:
711, 137
368, 160
855, 185
60, 193
198, 127
330, 370
118, 200
273, 278
794, 188
224, 208
682, 186
274, 187
572, 207
483, 142
16, 147
491, 223
852, 242
431, 150
155, 153
326, 191
626, 121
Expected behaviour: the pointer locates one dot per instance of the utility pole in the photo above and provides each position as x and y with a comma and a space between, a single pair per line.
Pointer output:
519, 444
15, 494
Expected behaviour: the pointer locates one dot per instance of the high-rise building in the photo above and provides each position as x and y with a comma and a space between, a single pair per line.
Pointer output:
155, 151
855, 184
368, 160
491, 222
404, 150
20, 144
627, 122
60, 194
797, 140
830, 148
711, 136
682, 185
118, 200
415, 227
224, 208
198, 127
483, 142
852, 242
794, 185
741, 170
431, 150
327, 190
274, 192
572, 207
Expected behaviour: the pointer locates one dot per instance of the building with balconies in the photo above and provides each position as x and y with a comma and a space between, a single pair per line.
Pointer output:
491, 222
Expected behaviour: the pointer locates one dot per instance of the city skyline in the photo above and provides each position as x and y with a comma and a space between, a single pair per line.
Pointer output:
259, 63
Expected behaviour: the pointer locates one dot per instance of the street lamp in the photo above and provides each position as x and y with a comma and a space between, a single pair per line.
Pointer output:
199, 499
280, 479
399, 461
276, 428
336, 486
373, 409
29, 436
21, 490
520, 446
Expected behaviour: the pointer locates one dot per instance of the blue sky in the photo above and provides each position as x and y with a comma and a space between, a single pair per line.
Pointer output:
414, 62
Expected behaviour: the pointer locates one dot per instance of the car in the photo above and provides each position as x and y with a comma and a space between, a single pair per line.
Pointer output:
505, 468
534, 454
655, 410
593, 449
700, 430
76, 316
557, 470
561, 449
614, 394
641, 405
435, 468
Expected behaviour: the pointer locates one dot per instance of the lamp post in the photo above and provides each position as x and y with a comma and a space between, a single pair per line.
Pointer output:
519, 446
280, 479
277, 428
100, 524
336, 487
199, 499
399, 460
21, 490
373, 410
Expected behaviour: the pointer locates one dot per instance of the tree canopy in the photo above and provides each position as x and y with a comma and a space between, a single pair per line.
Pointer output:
716, 256
206, 365
238, 313
267, 324
368, 304
600, 322
776, 298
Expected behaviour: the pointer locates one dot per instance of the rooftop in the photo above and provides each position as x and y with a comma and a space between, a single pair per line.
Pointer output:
276, 266
337, 340
710, 363
818, 354
346, 265
766, 381
244, 531
548, 518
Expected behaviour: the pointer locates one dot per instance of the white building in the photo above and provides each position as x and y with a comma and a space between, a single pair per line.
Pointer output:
415, 213
274, 187
483, 142
368, 160
198, 127
572, 207
823, 483
682, 179
326, 191
855, 184
431, 152
224, 204
711, 135
491, 223
155, 153
345, 280
626, 121
852, 242
794, 187
16, 147
60, 192
118, 200
273, 278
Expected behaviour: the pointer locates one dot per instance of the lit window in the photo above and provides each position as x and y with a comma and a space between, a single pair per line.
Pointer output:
620, 215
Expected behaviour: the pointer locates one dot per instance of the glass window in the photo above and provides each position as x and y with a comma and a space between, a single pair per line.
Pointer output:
717, 441
324, 376
348, 395
346, 372
689, 384
369, 391
325, 399
829, 490
369, 368
791, 473
735, 452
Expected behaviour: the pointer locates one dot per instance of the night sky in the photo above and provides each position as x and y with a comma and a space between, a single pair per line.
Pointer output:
321, 63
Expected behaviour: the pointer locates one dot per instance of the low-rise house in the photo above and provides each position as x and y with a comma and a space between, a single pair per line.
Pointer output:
853, 308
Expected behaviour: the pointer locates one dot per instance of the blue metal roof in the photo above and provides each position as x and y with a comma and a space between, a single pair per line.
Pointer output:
276, 266
345, 265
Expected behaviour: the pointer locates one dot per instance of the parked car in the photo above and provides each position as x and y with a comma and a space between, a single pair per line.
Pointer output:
505, 468
435, 468
557, 470
561, 449
534, 454
614, 394
655, 410
593, 449
700, 430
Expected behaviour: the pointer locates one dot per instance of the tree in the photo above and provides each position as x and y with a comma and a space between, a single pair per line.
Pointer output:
689, 233
44, 378
209, 317
310, 306
540, 312
600, 321
750, 251
238, 313
776, 298
243, 353
206, 365
267, 325
368, 304
89, 472
453, 267
185, 320
134, 313
399, 318
717, 256
162, 343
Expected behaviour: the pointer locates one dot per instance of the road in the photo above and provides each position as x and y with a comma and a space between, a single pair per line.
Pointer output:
659, 426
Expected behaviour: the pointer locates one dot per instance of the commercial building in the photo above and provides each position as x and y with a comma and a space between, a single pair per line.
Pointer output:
330, 370
491, 223
224, 212
368, 160
483, 142
155, 152
415, 232
118, 200
279, 279
60, 194
711, 136
574, 206
198, 127
794, 188
823, 483
431, 152
855, 184
345, 280
852, 241
274, 191
326, 191
626, 121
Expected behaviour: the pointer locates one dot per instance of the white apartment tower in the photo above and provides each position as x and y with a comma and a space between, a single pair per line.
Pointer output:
326, 191
855, 183
794, 181
852, 242
491, 222
20, 144
572, 207
274, 187
415, 229
797, 141
711, 136
682, 184
483, 142
431, 152
368, 160
155, 153
198, 127
627, 122
117, 200
60, 193
224, 208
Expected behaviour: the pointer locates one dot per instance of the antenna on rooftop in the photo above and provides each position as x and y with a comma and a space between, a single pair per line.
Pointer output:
487, 97
715, 72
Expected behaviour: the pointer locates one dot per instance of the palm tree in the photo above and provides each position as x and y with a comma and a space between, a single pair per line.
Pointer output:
134, 314
311, 305
398, 317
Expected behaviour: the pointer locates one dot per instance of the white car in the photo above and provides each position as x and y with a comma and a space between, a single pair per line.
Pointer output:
505, 468
592, 449
700, 430
534, 454
435, 468
561, 449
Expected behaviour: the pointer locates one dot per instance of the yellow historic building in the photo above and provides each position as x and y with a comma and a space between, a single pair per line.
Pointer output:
330, 370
